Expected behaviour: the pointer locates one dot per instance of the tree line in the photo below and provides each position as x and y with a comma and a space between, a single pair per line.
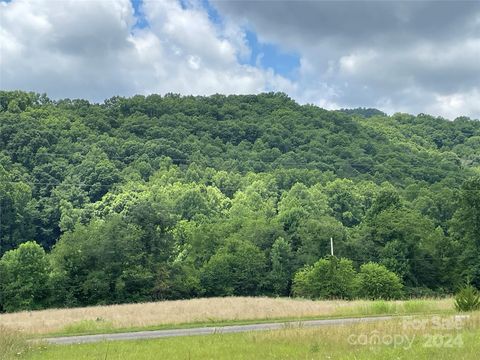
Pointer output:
168, 197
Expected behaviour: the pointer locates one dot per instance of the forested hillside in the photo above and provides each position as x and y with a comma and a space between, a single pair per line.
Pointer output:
165, 197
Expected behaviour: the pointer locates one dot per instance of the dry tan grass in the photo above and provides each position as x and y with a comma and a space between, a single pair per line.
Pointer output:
12, 343
204, 310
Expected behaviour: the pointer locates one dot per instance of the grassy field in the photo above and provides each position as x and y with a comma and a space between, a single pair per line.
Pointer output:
13, 344
428, 337
201, 312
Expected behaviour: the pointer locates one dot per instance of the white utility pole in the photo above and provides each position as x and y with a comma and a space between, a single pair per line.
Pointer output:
331, 245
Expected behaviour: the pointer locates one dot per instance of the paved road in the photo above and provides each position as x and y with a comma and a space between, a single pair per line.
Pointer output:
207, 330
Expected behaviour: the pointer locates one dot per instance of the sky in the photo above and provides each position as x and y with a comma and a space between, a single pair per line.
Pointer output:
398, 56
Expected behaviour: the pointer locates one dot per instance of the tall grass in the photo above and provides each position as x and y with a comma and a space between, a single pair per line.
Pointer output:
13, 343
108, 318
382, 307
86, 326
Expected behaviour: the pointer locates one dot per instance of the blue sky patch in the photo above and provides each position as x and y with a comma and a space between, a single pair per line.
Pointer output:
213, 14
266, 55
263, 55
141, 19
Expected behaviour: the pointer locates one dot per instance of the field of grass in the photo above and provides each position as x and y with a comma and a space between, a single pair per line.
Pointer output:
202, 312
428, 337
13, 344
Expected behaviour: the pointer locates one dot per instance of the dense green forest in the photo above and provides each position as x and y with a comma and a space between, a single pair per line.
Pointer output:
167, 197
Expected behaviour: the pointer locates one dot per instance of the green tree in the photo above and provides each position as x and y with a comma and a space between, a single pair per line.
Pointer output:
315, 235
24, 275
375, 281
466, 228
400, 239
17, 212
97, 172
177, 280
328, 278
237, 268
346, 201
170, 180
100, 263
281, 262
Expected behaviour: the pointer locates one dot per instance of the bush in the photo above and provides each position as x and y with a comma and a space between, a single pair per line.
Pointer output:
375, 281
329, 278
467, 299
24, 274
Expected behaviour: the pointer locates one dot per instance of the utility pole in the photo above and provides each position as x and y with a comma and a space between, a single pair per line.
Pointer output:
331, 246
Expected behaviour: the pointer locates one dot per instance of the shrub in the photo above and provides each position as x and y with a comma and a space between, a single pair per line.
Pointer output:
467, 299
329, 278
24, 274
375, 281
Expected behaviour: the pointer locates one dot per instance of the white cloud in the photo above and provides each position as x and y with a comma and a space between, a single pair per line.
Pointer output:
412, 56
90, 49
418, 56
353, 63
454, 104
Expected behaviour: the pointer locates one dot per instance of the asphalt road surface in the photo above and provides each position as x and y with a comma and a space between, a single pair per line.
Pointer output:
139, 335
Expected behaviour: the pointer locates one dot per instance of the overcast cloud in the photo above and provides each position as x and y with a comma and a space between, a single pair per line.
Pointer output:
414, 56
91, 49
411, 56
